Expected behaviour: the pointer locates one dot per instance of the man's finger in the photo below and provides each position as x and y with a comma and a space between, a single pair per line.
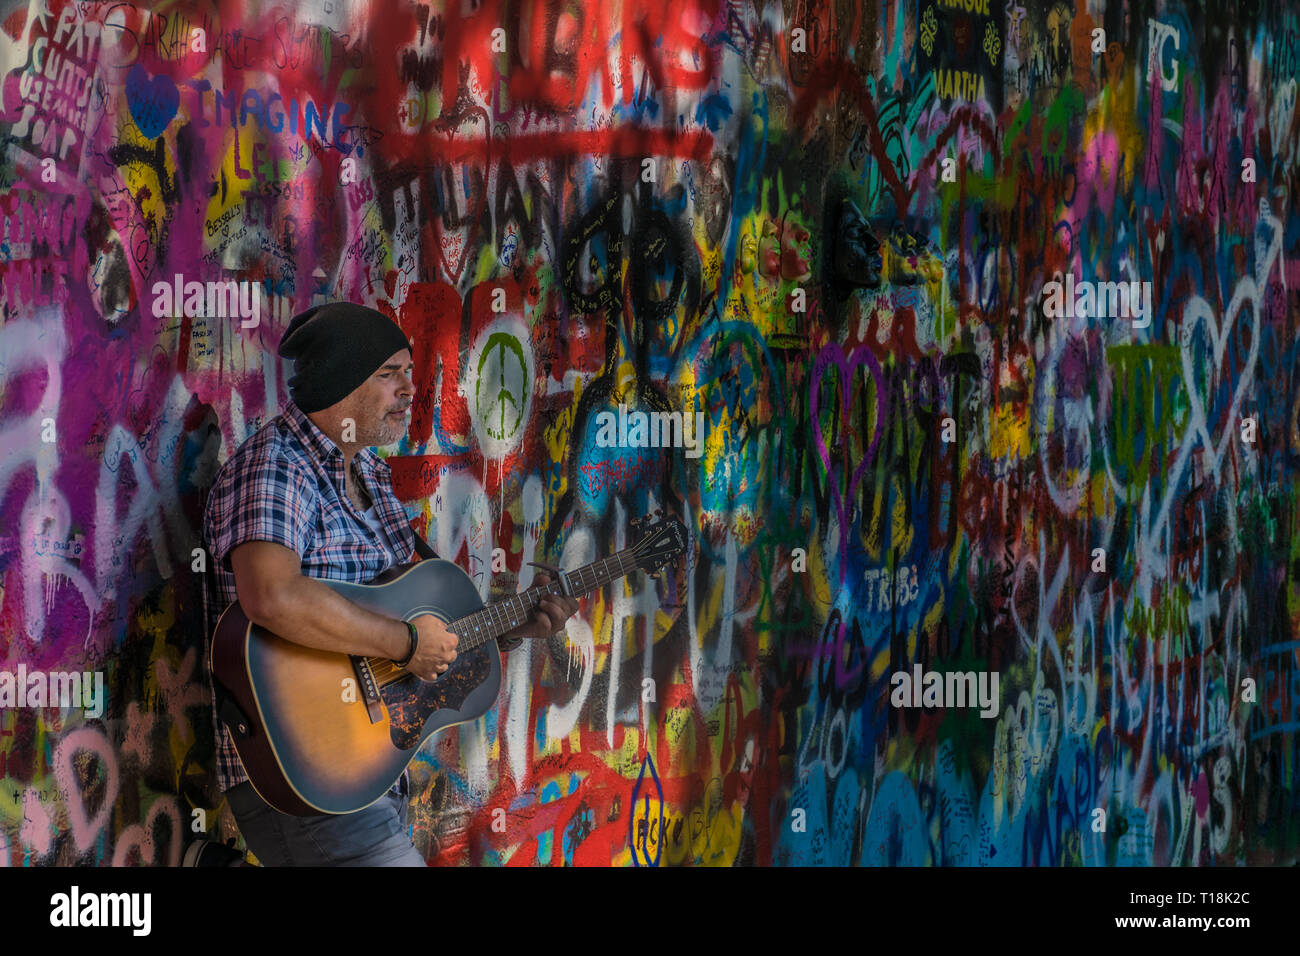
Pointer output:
562, 611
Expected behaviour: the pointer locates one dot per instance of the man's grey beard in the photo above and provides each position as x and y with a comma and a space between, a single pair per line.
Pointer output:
398, 432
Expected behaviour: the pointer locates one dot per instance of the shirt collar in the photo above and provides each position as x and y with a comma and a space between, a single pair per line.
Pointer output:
316, 441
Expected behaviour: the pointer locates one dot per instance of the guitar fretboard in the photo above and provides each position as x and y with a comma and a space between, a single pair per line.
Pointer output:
474, 630
660, 543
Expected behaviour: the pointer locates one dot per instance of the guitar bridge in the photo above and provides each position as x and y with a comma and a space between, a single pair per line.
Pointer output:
369, 688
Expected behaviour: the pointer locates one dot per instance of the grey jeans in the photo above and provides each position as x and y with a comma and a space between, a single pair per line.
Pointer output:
375, 836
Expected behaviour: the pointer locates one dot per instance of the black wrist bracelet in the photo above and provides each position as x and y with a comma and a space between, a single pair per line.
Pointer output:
415, 640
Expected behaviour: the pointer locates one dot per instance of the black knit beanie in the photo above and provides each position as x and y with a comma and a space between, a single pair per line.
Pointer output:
335, 347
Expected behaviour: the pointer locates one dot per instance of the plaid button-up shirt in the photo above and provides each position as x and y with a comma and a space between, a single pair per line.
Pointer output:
285, 484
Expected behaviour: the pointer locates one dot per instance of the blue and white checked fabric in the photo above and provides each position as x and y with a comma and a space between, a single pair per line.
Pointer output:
285, 484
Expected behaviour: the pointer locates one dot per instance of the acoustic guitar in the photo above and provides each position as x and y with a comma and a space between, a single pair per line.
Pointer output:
324, 732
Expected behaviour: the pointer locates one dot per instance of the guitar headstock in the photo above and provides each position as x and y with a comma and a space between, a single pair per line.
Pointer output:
660, 542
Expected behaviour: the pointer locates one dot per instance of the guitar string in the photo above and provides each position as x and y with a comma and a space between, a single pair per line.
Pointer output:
386, 672
490, 617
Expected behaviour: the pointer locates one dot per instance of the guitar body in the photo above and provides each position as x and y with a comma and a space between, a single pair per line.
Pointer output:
312, 746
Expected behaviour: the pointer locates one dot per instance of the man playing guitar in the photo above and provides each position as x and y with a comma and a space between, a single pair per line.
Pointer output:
306, 498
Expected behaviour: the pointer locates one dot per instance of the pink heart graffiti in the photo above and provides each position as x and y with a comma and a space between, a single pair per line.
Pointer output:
846, 368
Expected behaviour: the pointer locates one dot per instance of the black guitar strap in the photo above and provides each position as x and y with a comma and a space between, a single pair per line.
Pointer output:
230, 712
422, 547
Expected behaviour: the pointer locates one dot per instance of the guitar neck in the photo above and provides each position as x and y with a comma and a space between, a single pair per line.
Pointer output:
474, 630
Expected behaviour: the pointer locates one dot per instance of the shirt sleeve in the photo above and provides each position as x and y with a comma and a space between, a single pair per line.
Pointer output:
264, 498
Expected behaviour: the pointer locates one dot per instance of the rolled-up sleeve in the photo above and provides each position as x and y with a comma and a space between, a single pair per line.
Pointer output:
260, 497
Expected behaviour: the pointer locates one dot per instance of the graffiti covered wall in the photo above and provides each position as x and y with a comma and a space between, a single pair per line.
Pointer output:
986, 311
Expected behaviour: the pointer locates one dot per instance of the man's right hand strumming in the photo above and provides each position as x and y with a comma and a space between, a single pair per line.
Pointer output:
435, 650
